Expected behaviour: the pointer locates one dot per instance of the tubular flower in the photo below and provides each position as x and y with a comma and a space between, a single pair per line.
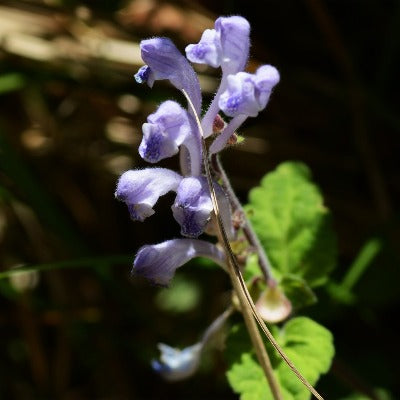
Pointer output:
175, 364
164, 132
226, 46
159, 262
173, 130
164, 61
140, 189
248, 94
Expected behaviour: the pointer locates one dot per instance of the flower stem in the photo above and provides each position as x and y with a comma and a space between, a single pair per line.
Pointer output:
212, 111
247, 305
248, 230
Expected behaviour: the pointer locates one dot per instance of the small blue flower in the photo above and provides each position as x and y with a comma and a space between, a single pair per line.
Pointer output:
140, 189
164, 132
175, 364
207, 51
192, 206
226, 46
171, 129
159, 262
248, 94
166, 62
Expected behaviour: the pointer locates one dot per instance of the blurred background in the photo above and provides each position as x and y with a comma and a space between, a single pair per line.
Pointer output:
70, 124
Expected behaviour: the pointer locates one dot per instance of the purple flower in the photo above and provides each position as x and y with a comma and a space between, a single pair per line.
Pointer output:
175, 364
140, 189
193, 207
166, 62
207, 51
172, 129
248, 94
159, 262
245, 96
164, 132
227, 45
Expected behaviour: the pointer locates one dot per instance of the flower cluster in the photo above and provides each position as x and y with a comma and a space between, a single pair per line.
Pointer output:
172, 130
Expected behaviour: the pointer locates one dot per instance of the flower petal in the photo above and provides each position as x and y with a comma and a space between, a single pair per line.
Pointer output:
164, 132
192, 206
140, 189
227, 45
166, 62
235, 42
207, 51
248, 93
159, 262
175, 364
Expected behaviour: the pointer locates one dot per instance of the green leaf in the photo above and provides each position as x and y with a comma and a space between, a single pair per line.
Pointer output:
294, 226
308, 344
297, 291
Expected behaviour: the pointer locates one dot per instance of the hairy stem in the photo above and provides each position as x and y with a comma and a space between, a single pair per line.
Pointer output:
248, 230
212, 111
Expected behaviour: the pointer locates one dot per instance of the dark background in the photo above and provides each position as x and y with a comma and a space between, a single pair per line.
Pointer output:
70, 118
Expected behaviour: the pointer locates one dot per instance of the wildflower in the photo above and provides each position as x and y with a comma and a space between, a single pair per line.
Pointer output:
164, 132
175, 364
226, 46
159, 262
171, 130
140, 189
164, 61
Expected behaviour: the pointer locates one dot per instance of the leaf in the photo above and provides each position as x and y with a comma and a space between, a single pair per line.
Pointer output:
293, 224
308, 344
298, 291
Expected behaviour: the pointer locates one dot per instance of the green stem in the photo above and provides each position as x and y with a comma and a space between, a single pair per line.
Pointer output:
364, 258
76, 263
263, 260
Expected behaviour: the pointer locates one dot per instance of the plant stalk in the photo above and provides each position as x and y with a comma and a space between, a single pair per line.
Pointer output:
237, 278
248, 230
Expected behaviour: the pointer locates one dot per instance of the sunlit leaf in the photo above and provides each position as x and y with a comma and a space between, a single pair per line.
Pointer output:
288, 214
308, 344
